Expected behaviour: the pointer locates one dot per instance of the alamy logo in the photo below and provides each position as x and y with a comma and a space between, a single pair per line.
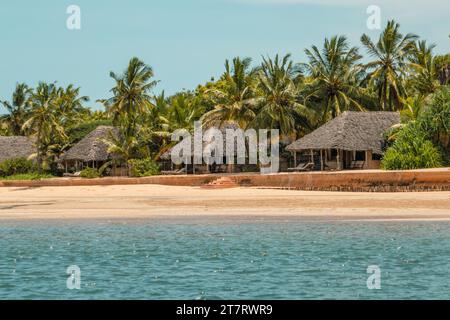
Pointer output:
74, 20
374, 280
74, 280
229, 146
374, 20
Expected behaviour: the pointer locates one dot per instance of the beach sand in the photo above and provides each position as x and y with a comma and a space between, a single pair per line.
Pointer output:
154, 201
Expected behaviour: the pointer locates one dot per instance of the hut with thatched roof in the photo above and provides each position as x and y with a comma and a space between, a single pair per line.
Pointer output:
16, 147
353, 140
189, 167
91, 151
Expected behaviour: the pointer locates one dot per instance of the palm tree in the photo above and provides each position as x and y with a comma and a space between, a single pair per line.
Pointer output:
235, 98
426, 78
131, 101
386, 72
44, 121
131, 94
181, 112
334, 73
17, 110
278, 107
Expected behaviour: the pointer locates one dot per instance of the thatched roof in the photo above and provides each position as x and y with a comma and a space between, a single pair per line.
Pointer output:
91, 147
15, 147
350, 131
223, 129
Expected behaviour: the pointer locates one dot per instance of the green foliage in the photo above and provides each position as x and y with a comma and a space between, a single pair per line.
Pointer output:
143, 167
90, 173
412, 149
28, 176
16, 166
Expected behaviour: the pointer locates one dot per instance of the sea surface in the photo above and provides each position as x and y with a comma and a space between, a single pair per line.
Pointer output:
220, 259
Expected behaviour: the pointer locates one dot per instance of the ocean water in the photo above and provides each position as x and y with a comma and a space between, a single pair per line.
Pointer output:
219, 259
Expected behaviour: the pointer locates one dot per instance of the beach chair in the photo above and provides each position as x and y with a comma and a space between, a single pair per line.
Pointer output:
302, 167
357, 165
174, 172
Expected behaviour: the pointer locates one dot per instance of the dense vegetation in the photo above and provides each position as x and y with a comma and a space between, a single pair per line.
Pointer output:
403, 74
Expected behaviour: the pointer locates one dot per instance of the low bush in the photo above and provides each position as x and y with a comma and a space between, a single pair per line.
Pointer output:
28, 176
412, 149
16, 166
143, 167
90, 173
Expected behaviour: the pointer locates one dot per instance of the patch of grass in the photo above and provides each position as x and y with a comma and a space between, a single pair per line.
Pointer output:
28, 176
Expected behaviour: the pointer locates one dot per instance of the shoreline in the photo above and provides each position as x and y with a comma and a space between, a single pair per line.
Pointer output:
157, 202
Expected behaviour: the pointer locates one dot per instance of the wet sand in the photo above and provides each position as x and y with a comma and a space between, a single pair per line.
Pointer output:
154, 201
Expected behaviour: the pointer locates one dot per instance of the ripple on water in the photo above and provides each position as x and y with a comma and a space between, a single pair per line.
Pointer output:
251, 260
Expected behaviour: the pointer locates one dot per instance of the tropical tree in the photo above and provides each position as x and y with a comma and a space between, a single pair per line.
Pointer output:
17, 109
386, 73
334, 73
70, 105
131, 101
425, 79
278, 106
235, 98
131, 94
44, 123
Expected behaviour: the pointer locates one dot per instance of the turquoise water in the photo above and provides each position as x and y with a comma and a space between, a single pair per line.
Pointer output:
214, 259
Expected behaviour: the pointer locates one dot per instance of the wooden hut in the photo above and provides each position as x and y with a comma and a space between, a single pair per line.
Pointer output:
91, 151
167, 165
16, 147
353, 140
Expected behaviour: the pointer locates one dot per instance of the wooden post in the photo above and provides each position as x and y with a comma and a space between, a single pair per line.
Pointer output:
312, 156
295, 159
338, 158
321, 160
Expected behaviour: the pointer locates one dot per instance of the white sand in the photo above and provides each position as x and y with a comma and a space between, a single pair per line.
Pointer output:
153, 201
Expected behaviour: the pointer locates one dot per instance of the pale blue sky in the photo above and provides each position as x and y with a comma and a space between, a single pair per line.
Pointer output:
185, 41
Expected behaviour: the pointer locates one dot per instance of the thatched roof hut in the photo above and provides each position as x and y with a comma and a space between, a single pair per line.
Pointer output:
15, 147
223, 128
92, 147
350, 131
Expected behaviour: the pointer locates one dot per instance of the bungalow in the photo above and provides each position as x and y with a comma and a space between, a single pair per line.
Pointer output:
354, 140
91, 151
16, 147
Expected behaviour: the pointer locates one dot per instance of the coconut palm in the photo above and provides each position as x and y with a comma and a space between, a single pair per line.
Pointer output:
131, 101
426, 69
235, 97
386, 72
278, 104
131, 94
334, 72
44, 122
17, 110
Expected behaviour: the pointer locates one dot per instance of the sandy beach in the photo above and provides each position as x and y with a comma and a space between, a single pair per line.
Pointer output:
155, 201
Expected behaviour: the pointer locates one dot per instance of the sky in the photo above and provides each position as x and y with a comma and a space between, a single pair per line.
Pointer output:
185, 41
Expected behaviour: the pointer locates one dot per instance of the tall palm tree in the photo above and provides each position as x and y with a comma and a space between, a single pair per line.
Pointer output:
131, 94
278, 104
43, 121
423, 63
334, 72
386, 72
17, 110
235, 98
130, 102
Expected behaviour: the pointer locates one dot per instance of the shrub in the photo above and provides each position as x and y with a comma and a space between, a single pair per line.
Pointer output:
16, 166
29, 176
143, 167
90, 173
412, 149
